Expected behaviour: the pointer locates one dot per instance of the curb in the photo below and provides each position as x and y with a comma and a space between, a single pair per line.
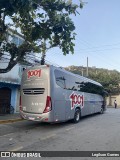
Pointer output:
10, 121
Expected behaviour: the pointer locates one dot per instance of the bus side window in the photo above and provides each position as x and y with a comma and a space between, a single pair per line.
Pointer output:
91, 88
60, 82
60, 79
73, 86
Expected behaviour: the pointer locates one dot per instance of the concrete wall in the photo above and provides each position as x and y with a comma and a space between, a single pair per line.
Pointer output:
110, 100
14, 75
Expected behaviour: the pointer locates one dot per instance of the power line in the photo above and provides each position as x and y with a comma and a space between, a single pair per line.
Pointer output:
97, 51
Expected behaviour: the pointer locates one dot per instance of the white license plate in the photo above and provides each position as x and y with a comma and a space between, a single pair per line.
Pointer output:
31, 118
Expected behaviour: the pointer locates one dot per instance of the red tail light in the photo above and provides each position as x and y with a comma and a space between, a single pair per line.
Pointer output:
20, 105
48, 106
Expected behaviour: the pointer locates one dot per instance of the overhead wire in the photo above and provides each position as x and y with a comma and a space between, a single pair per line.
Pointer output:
96, 55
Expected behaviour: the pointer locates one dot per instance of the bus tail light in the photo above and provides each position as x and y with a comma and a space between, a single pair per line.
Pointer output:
20, 104
48, 106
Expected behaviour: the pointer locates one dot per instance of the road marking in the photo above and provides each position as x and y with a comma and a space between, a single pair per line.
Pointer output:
69, 128
16, 148
47, 137
6, 135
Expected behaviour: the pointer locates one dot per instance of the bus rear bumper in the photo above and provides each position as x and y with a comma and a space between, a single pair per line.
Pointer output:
44, 117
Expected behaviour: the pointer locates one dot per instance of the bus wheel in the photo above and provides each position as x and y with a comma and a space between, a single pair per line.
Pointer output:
76, 116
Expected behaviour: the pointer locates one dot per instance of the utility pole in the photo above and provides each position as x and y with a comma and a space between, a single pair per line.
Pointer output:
87, 68
82, 71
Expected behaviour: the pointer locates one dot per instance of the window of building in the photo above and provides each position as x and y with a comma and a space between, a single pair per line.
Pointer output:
20, 41
17, 40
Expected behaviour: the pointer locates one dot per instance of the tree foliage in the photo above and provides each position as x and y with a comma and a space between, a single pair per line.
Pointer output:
39, 21
109, 79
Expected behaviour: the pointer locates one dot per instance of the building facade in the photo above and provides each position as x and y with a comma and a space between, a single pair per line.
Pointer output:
10, 81
10, 89
111, 99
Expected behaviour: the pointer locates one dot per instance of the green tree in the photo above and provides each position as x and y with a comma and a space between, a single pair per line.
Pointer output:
109, 79
44, 24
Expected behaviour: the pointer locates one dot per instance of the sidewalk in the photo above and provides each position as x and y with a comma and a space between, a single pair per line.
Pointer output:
8, 118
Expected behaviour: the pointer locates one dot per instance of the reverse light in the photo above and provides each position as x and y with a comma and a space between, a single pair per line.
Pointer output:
48, 106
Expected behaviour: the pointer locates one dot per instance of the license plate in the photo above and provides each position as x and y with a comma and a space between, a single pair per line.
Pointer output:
31, 118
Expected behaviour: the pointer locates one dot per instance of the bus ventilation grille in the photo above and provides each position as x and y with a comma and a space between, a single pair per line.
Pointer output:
33, 91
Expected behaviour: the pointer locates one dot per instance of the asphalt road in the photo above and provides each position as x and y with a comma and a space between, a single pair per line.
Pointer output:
100, 132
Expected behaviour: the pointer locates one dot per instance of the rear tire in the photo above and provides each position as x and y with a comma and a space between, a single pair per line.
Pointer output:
77, 116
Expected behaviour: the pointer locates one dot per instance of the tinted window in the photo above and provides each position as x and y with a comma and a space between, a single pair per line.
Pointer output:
70, 82
91, 88
74, 84
60, 79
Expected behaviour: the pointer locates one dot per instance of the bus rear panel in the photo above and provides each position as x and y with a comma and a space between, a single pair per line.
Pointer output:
35, 94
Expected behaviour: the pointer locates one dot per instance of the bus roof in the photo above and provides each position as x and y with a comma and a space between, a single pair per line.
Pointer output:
79, 76
68, 72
